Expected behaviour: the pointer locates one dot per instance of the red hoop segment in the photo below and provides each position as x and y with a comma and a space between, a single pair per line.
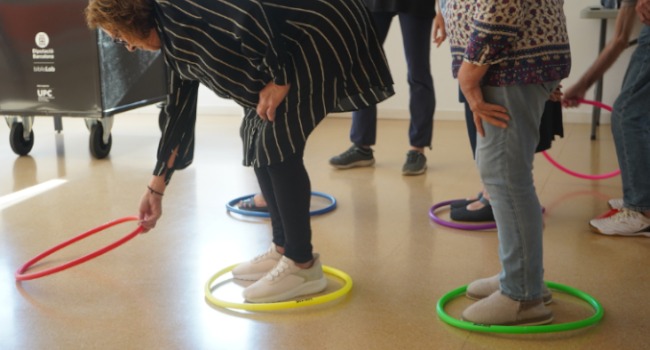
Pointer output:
22, 276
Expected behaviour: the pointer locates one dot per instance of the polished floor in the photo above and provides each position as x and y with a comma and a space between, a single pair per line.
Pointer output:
149, 292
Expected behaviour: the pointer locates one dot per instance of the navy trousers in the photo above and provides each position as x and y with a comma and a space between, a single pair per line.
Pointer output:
416, 37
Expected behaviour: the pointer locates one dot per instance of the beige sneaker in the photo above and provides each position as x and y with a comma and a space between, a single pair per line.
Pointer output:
259, 266
287, 281
484, 287
498, 309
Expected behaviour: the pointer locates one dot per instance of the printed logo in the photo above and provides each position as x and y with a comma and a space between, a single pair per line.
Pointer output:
44, 93
42, 40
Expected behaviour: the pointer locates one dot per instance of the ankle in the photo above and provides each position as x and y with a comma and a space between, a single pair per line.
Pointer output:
306, 265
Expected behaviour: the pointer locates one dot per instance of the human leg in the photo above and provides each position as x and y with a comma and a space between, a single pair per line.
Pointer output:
505, 159
287, 189
416, 36
363, 132
631, 131
631, 127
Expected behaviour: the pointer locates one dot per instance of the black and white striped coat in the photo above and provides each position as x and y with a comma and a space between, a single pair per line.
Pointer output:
326, 50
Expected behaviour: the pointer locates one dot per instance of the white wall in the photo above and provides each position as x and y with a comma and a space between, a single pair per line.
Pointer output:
584, 36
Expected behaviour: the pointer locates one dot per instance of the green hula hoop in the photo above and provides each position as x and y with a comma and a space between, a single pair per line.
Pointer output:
308, 301
563, 327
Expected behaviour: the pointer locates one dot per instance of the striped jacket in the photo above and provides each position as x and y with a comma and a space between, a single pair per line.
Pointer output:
326, 49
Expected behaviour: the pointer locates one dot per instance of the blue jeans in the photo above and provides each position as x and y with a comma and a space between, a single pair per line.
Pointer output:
631, 127
505, 161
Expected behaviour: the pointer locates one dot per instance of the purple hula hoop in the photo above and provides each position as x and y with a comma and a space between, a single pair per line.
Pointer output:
436, 219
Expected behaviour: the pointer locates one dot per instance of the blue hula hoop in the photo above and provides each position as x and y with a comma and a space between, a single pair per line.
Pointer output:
232, 206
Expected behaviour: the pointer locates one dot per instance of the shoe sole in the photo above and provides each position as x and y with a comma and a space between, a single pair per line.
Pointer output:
535, 322
308, 288
643, 232
547, 300
357, 164
411, 173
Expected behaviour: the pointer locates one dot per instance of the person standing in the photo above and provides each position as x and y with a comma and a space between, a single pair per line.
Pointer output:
630, 121
416, 21
288, 64
509, 57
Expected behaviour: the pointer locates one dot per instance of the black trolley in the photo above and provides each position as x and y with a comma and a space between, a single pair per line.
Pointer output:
51, 64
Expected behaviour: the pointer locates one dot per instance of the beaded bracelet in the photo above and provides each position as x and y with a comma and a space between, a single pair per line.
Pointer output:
152, 191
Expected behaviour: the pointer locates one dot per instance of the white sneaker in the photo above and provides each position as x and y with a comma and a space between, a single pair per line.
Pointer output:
259, 266
287, 281
625, 223
615, 203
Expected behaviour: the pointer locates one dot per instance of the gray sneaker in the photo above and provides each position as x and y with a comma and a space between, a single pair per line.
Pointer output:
416, 163
354, 157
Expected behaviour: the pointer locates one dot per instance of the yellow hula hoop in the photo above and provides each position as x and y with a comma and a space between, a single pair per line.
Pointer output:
282, 305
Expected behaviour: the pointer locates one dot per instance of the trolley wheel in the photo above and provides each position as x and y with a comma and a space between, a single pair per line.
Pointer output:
19, 145
98, 148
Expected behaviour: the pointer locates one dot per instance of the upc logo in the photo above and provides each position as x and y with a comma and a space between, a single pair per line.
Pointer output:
44, 93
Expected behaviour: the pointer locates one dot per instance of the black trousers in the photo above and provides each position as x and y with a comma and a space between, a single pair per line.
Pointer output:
287, 190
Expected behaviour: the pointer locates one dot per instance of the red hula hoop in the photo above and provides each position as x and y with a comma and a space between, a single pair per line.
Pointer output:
22, 276
575, 173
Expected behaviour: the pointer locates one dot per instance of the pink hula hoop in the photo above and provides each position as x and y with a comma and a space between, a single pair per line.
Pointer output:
575, 173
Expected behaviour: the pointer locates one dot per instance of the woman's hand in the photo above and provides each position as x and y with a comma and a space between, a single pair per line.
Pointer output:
439, 32
469, 77
151, 204
574, 94
270, 98
556, 95
643, 11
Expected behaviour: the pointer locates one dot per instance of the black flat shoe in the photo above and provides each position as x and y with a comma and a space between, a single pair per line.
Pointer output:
483, 214
465, 202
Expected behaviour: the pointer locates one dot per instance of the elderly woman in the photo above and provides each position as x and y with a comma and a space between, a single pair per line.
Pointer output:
509, 56
288, 63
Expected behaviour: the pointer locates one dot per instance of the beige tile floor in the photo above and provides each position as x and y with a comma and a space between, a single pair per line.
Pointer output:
149, 293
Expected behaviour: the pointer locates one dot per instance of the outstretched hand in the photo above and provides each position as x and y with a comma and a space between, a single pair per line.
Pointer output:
573, 95
150, 210
270, 98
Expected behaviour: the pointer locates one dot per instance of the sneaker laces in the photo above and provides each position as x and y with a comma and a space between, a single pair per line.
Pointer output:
263, 256
278, 270
412, 157
352, 150
624, 214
